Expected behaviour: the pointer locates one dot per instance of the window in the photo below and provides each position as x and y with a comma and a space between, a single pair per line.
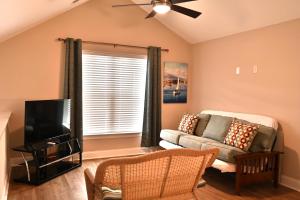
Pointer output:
113, 93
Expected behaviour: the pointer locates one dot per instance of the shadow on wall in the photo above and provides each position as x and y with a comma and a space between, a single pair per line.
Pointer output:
292, 157
16, 122
16, 138
289, 155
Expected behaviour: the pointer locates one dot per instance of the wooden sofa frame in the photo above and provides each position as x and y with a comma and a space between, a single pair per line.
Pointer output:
256, 167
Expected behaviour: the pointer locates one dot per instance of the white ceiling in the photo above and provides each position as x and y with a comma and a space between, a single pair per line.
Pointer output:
19, 15
226, 17
220, 17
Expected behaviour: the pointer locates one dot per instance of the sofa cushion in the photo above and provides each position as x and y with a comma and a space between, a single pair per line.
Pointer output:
227, 153
171, 135
202, 123
188, 123
193, 142
264, 139
241, 134
217, 127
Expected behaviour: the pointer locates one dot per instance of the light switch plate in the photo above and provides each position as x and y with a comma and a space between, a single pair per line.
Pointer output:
237, 70
255, 69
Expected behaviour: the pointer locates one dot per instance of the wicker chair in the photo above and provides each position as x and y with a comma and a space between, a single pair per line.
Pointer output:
169, 174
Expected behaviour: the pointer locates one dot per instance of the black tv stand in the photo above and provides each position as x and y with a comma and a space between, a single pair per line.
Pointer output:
50, 159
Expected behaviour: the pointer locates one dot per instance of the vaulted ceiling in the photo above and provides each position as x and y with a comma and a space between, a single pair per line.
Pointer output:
17, 16
226, 17
220, 17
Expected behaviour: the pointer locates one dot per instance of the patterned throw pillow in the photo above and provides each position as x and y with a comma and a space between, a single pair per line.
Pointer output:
188, 123
241, 135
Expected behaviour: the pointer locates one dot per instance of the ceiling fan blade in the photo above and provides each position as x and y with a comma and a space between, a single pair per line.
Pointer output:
186, 11
132, 4
180, 1
152, 14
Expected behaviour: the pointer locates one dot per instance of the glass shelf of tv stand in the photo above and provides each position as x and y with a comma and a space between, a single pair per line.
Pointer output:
43, 145
65, 151
72, 147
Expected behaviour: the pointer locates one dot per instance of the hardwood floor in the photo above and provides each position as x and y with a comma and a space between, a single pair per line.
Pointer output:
221, 186
71, 186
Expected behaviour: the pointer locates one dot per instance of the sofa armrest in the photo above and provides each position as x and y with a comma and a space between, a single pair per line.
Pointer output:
257, 167
89, 181
254, 155
257, 162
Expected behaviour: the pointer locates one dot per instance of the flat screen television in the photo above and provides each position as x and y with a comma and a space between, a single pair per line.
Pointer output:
46, 119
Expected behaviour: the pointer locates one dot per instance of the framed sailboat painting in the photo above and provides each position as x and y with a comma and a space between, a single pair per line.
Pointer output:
175, 82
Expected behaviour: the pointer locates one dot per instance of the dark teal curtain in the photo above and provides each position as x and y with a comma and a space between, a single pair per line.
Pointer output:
152, 108
73, 85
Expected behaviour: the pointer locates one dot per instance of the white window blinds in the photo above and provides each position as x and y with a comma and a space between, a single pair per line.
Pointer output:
113, 93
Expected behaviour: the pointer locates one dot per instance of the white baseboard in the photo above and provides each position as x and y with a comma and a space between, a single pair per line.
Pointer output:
112, 153
290, 182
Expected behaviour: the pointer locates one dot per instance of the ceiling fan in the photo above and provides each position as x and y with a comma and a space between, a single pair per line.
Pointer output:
164, 6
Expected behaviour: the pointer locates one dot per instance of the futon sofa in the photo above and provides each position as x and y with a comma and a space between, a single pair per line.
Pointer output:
259, 163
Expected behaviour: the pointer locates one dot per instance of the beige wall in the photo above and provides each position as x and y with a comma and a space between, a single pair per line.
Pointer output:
31, 67
273, 91
31, 63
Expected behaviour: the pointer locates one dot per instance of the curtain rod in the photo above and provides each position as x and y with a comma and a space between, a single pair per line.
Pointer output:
112, 44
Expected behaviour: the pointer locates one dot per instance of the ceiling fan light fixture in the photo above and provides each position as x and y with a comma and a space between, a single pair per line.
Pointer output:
161, 7
164, 6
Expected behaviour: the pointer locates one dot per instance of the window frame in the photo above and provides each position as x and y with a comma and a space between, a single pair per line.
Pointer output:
116, 54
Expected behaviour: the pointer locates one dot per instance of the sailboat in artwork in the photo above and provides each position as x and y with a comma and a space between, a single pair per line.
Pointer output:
176, 92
